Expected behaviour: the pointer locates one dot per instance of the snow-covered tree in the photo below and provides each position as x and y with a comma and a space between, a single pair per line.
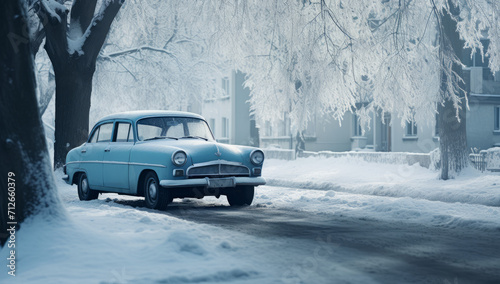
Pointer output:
302, 56
73, 45
156, 56
400, 56
25, 169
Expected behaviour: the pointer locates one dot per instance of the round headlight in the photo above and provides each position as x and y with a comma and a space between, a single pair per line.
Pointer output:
257, 157
179, 158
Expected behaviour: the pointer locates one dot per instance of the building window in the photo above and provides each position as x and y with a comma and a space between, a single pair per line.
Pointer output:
497, 118
357, 126
411, 128
475, 59
211, 122
225, 127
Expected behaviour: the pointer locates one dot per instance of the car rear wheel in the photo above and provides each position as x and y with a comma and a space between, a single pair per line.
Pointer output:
241, 195
156, 197
84, 191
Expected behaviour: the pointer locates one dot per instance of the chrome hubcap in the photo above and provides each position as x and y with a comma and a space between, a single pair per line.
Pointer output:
152, 190
85, 186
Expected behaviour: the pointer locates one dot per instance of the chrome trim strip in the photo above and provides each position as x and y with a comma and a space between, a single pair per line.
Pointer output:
217, 174
118, 163
204, 182
147, 165
216, 162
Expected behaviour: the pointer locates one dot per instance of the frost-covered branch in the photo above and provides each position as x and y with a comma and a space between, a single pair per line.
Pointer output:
53, 16
82, 13
98, 29
137, 49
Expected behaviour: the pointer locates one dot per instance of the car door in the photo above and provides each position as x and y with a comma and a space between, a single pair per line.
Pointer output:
93, 153
117, 157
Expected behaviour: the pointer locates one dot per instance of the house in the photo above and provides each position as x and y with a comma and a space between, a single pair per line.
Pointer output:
386, 132
483, 115
229, 116
230, 119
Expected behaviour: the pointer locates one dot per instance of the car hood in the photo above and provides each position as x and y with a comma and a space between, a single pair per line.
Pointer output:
201, 151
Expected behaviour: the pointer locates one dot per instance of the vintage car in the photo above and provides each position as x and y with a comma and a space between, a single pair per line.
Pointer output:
162, 155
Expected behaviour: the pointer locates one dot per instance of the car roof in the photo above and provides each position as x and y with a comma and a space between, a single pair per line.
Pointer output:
138, 114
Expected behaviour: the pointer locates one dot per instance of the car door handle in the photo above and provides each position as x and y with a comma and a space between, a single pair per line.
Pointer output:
107, 150
84, 151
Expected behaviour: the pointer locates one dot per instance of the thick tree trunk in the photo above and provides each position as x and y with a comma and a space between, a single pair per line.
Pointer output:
73, 93
74, 68
452, 127
25, 173
452, 140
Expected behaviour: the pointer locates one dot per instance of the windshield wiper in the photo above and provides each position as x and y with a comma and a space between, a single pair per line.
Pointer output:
161, 137
196, 137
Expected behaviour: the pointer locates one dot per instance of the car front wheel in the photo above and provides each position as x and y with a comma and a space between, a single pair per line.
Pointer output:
156, 197
241, 195
84, 191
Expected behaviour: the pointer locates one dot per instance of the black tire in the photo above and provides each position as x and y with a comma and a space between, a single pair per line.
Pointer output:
155, 196
84, 191
241, 195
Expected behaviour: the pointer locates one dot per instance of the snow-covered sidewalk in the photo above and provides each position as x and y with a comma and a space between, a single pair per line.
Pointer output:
357, 176
385, 192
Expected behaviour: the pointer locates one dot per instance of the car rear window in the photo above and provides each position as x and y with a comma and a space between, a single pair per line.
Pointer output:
123, 133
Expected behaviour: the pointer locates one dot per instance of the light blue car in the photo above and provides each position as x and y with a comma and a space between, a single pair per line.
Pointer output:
162, 155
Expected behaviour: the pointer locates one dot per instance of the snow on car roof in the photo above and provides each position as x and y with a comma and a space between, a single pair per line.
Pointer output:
138, 114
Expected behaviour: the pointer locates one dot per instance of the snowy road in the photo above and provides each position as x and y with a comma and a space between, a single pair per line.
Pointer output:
288, 235
386, 251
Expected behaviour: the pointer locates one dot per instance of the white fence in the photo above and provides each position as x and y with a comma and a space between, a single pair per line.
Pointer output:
375, 157
485, 160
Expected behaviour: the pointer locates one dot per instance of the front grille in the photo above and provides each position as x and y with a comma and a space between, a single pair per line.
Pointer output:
217, 170
204, 170
230, 169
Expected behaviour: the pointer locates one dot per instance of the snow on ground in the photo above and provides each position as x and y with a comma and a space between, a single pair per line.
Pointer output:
387, 192
388, 209
395, 193
357, 176
104, 241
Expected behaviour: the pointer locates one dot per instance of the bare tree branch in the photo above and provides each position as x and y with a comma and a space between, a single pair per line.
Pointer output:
82, 13
99, 28
134, 50
54, 23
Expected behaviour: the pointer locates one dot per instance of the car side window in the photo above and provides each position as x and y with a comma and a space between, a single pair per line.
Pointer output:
94, 136
124, 132
105, 132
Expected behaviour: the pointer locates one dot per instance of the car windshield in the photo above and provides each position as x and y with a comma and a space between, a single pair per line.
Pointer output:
173, 128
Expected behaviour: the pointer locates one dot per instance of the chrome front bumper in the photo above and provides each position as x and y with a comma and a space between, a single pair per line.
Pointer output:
213, 182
